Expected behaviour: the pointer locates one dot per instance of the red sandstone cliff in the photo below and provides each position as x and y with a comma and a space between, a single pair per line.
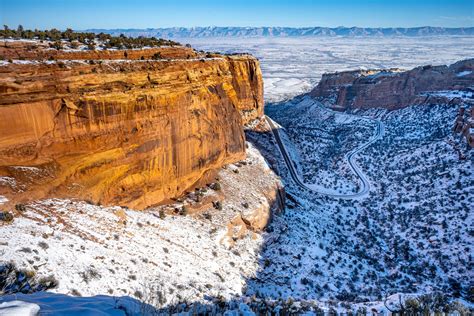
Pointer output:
125, 131
392, 88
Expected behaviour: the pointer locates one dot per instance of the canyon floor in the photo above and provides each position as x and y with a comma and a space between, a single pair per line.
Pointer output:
410, 234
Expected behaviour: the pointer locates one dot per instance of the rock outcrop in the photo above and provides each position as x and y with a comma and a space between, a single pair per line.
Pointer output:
128, 131
34, 50
464, 125
392, 88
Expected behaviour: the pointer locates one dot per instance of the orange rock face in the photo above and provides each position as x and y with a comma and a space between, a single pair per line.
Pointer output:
122, 132
392, 88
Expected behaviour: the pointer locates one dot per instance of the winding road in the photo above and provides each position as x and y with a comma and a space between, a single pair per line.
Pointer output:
379, 131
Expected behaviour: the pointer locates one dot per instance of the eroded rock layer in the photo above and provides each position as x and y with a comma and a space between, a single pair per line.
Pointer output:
34, 50
122, 132
392, 88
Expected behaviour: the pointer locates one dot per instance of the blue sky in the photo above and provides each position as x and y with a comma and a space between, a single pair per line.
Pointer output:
83, 14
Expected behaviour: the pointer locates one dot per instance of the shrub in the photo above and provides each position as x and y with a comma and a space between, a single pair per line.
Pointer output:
57, 45
75, 292
14, 280
43, 245
90, 274
156, 56
20, 207
216, 186
138, 294
49, 282
304, 281
6, 216
217, 205
162, 214
26, 250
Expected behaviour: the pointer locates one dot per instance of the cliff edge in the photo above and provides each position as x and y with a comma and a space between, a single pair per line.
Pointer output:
121, 127
392, 88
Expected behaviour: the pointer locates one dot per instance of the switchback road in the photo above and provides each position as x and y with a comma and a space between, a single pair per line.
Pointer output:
365, 184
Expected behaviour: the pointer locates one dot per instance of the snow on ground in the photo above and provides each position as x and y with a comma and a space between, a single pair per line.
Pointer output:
412, 234
325, 166
292, 66
7, 181
18, 308
95, 250
3, 200
109, 62
451, 94
463, 73
63, 305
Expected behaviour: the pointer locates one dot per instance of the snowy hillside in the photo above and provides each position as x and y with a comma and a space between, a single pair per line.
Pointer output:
411, 234
202, 247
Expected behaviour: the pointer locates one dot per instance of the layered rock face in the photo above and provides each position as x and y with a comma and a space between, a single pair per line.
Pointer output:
34, 50
126, 132
392, 88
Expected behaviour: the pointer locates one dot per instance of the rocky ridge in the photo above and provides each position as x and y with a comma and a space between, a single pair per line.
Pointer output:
212, 31
392, 88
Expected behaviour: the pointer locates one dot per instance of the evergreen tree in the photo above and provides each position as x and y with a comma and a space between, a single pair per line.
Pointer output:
19, 30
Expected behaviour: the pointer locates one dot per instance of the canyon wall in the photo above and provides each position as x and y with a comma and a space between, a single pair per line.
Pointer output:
392, 88
128, 131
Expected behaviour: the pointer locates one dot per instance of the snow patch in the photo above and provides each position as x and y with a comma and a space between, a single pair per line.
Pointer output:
451, 94
18, 308
463, 73
3, 199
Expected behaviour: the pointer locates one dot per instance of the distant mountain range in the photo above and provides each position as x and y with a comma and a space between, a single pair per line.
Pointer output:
211, 31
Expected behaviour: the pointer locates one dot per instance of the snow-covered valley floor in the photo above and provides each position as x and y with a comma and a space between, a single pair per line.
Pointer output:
292, 66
